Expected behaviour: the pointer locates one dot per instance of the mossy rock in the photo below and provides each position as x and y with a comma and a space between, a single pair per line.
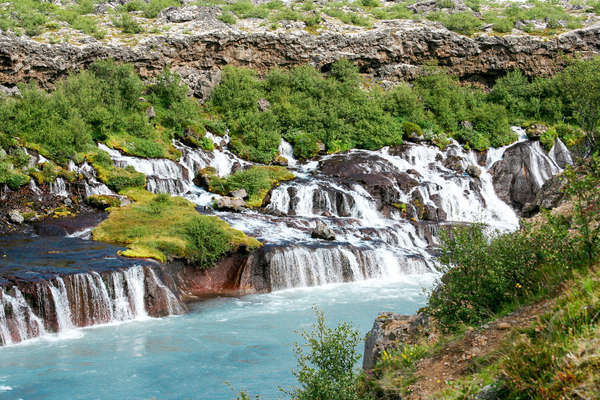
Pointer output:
102, 201
166, 227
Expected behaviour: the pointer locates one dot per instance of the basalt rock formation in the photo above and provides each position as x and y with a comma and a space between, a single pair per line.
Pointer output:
390, 51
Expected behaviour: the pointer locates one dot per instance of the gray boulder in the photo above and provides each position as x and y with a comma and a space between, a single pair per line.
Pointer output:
16, 217
230, 203
391, 330
535, 131
322, 231
519, 176
239, 194
474, 171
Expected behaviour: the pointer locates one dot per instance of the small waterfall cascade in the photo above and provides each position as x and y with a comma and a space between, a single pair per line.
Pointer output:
17, 320
167, 176
59, 187
386, 209
287, 151
91, 183
84, 299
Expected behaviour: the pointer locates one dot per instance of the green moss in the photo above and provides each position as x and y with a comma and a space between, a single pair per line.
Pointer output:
257, 181
103, 202
48, 172
115, 178
11, 177
163, 227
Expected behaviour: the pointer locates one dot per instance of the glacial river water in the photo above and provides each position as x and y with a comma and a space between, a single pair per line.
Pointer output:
224, 343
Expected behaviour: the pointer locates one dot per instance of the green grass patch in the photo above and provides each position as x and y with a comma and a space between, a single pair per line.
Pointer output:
164, 227
257, 180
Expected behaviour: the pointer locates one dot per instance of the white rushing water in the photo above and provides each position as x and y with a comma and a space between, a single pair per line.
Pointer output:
80, 300
370, 241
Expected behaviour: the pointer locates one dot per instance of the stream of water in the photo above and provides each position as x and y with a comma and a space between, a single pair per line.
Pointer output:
246, 342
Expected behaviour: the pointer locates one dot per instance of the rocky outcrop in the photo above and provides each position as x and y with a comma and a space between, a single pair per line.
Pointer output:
548, 197
235, 275
391, 331
519, 176
392, 50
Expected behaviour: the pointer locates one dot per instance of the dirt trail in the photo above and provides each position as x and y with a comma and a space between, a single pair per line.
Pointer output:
456, 358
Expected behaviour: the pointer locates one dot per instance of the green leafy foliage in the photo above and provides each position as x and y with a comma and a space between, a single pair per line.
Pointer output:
326, 363
107, 103
483, 277
207, 241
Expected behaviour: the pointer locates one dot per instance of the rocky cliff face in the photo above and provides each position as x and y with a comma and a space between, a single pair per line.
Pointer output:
390, 51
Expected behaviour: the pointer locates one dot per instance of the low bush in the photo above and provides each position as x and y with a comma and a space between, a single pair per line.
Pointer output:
461, 22
482, 278
127, 23
326, 363
11, 177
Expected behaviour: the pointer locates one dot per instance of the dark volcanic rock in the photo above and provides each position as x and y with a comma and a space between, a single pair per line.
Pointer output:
517, 176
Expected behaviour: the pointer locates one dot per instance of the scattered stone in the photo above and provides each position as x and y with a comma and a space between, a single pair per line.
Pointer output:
503, 325
322, 148
489, 392
391, 330
468, 125
150, 113
103, 201
474, 171
280, 160
322, 231
454, 163
16, 217
239, 194
230, 203
9, 91
263, 104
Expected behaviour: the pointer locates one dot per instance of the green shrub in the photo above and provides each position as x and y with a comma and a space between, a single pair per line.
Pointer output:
207, 242
305, 146
153, 7
326, 363
127, 23
257, 180
411, 130
503, 25
227, 17
548, 138
462, 22
483, 277
10, 177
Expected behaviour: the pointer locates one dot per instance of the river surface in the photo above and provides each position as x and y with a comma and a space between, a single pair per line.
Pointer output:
242, 343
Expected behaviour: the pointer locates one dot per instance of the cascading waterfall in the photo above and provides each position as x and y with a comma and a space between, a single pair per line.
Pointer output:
167, 176
17, 320
300, 266
368, 243
80, 300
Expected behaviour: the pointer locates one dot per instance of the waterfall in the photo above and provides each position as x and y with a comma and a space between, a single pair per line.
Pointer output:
92, 185
80, 300
287, 151
17, 320
61, 305
176, 178
301, 266
59, 187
